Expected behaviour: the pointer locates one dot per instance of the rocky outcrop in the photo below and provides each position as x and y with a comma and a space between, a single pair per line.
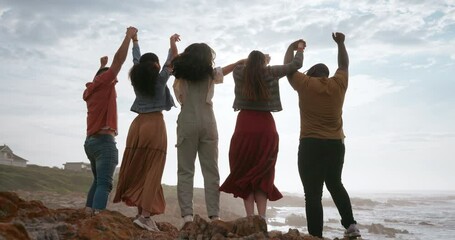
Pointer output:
22, 220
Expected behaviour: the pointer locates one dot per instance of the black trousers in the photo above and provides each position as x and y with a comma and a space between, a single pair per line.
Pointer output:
321, 161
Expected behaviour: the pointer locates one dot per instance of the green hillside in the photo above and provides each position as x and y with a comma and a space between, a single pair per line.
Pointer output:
37, 178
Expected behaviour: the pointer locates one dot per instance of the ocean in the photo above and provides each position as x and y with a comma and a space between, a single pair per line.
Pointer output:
409, 216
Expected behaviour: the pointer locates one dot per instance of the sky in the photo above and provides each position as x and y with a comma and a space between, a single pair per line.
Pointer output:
399, 109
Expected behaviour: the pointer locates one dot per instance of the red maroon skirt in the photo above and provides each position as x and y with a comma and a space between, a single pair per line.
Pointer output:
252, 156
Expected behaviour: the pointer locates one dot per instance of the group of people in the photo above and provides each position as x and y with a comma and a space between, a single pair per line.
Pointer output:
254, 144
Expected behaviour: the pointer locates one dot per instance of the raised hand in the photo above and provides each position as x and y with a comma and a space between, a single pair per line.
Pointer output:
338, 37
343, 58
131, 32
175, 38
103, 61
300, 43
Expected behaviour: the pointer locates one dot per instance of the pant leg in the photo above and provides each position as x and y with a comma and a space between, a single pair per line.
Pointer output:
91, 192
187, 144
311, 172
208, 158
336, 152
104, 155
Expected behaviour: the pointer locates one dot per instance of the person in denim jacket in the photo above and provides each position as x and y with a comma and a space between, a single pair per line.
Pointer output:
146, 145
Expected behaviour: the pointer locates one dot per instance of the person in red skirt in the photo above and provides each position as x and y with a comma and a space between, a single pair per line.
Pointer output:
254, 144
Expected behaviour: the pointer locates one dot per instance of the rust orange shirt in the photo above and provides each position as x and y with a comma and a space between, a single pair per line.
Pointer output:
321, 104
100, 97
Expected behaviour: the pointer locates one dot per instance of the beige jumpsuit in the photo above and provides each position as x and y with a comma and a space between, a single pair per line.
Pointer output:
197, 134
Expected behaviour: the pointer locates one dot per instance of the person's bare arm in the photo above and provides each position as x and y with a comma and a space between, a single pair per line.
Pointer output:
289, 56
229, 68
120, 55
174, 51
343, 58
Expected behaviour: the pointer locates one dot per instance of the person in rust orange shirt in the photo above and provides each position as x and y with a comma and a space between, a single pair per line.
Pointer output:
321, 148
100, 145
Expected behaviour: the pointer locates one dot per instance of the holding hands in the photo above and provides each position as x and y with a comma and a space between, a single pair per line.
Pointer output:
298, 45
131, 32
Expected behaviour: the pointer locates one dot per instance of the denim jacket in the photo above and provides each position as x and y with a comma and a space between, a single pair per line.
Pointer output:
162, 100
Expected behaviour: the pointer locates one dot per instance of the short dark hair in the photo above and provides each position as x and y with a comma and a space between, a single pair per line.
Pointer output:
318, 70
101, 70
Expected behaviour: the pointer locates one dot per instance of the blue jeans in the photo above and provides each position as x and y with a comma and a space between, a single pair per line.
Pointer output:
102, 152
321, 161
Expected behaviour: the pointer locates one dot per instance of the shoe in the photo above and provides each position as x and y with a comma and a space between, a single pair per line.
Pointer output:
188, 218
352, 231
146, 223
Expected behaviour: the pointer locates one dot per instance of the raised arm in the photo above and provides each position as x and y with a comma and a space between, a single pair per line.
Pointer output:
229, 68
291, 63
343, 58
174, 51
296, 45
136, 50
120, 55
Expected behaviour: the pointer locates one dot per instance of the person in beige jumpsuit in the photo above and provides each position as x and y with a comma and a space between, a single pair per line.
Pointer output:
197, 132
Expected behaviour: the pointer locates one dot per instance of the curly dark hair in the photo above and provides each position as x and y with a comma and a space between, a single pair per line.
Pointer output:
195, 63
255, 88
144, 74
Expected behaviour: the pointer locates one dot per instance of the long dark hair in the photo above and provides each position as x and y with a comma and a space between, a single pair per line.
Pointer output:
255, 87
195, 63
144, 74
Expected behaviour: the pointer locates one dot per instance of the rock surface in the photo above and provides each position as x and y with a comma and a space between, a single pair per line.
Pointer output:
22, 220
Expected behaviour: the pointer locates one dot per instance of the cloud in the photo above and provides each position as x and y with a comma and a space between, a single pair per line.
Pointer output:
429, 63
364, 89
423, 137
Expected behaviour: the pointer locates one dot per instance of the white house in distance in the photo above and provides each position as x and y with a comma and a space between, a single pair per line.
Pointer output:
77, 166
7, 157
